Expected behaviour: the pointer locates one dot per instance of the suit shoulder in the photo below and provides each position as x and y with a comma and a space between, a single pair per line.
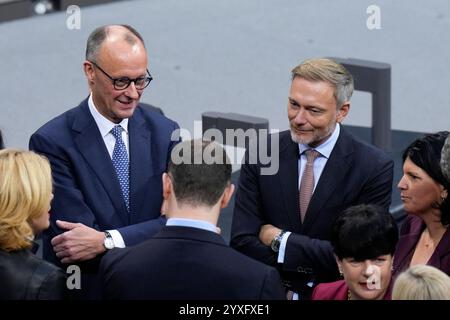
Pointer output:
58, 124
367, 150
156, 118
115, 256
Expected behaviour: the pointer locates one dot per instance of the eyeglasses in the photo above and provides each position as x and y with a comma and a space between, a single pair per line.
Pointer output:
124, 82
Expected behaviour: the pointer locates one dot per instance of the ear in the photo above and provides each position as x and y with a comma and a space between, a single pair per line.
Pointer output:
339, 263
167, 186
342, 112
88, 71
444, 194
227, 193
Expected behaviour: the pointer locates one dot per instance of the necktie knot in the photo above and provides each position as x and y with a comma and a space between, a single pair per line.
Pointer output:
311, 155
117, 132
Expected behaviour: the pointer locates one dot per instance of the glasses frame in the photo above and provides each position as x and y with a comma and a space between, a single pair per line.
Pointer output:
114, 80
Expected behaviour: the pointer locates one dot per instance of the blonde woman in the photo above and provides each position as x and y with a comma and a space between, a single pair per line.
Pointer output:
422, 282
25, 195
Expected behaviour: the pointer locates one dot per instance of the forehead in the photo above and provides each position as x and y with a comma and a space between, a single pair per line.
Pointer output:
312, 90
123, 59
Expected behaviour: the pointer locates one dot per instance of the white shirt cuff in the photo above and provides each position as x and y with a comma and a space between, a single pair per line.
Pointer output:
117, 239
283, 247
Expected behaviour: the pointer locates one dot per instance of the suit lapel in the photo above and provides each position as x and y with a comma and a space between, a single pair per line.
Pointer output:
91, 145
288, 179
335, 170
141, 167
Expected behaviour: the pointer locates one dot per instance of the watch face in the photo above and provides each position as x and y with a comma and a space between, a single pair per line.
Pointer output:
275, 245
109, 243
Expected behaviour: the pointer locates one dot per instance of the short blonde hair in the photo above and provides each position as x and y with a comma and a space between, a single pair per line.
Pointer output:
322, 69
422, 282
25, 194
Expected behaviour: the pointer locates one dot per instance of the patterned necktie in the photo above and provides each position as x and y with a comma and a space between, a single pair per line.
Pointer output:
307, 183
120, 163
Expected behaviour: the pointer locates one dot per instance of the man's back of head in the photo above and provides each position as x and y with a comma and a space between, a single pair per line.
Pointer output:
199, 174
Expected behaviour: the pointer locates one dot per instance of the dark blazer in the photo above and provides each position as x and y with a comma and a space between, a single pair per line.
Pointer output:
337, 290
410, 233
86, 187
355, 173
185, 263
23, 276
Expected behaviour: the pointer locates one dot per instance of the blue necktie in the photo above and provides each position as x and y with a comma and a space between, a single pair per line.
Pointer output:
120, 163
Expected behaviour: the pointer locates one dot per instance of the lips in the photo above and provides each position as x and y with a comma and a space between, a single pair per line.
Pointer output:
302, 130
403, 197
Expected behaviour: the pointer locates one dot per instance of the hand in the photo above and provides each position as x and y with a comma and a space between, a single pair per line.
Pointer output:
79, 243
267, 233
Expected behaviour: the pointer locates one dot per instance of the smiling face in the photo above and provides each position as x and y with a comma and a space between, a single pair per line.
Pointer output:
419, 192
119, 59
312, 111
368, 279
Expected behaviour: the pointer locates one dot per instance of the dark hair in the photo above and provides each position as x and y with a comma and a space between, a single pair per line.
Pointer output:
99, 35
364, 232
2, 145
426, 154
200, 171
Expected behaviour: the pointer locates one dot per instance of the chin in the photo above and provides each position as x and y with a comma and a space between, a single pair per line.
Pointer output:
298, 139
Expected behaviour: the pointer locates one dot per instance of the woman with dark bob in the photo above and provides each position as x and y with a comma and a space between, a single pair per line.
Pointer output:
25, 195
424, 236
364, 239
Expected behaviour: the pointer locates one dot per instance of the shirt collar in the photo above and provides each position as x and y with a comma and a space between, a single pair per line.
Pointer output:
199, 224
325, 148
103, 124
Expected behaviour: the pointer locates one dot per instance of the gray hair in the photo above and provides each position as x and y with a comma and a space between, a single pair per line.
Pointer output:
445, 159
96, 38
329, 71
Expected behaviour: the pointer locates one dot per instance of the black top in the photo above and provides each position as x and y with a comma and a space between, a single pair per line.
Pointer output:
23, 276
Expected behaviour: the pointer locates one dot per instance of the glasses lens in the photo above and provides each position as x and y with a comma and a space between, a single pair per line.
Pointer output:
141, 83
121, 83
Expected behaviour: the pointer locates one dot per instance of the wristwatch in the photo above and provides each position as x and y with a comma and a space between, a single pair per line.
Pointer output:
275, 244
108, 242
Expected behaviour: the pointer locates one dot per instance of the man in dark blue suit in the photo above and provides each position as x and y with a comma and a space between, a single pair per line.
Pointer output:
188, 259
107, 157
286, 219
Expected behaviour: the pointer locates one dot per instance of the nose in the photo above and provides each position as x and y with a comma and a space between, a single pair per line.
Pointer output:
300, 117
131, 91
368, 268
402, 183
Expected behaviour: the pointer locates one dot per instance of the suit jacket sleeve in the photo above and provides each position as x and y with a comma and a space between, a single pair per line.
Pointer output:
248, 218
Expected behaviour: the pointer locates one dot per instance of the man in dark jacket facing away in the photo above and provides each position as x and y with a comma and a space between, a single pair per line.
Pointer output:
188, 259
